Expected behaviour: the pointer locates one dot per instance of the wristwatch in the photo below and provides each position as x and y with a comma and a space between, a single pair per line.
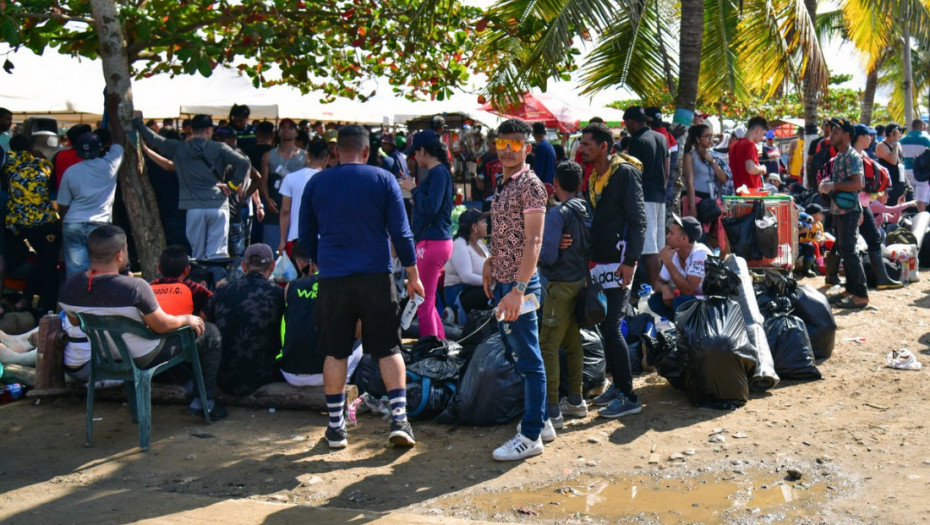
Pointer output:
520, 287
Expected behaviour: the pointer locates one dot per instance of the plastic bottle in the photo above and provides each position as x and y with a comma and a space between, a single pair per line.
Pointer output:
11, 393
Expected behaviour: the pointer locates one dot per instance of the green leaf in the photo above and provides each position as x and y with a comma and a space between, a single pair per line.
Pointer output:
10, 33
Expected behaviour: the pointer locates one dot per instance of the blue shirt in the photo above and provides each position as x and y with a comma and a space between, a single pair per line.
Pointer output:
544, 161
349, 215
432, 206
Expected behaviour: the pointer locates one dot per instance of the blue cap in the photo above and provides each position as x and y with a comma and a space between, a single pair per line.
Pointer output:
770, 134
423, 139
862, 129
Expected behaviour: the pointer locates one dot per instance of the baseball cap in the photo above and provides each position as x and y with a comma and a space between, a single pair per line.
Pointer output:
773, 176
259, 253
691, 226
201, 122
423, 139
331, 136
87, 146
770, 134
437, 121
653, 114
468, 218
843, 124
224, 132
286, 122
862, 129
634, 113
400, 141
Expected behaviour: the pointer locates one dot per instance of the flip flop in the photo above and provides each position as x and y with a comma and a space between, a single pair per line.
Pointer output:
849, 304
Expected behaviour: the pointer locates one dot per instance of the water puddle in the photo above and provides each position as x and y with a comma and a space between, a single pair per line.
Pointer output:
669, 500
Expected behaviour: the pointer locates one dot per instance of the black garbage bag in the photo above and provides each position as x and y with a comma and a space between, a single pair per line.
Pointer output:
720, 359
813, 308
791, 347
479, 326
893, 269
766, 231
741, 234
595, 364
490, 391
662, 353
638, 325
422, 407
438, 368
432, 346
368, 378
453, 331
718, 279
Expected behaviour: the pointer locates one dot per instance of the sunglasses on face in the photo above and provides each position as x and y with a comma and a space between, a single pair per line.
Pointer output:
513, 144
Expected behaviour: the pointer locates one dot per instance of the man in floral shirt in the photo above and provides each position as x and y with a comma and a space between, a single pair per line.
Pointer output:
843, 187
31, 217
248, 313
517, 216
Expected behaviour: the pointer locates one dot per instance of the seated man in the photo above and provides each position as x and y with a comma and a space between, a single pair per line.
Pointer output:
301, 361
682, 267
176, 294
248, 313
103, 290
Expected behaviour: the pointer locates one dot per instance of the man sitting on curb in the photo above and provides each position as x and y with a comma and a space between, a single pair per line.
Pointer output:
682, 267
103, 290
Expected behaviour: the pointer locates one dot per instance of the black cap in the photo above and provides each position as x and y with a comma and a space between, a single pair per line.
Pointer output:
87, 146
201, 122
691, 226
436, 122
813, 208
653, 114
634, 113
423, 139
843, 124
468, 218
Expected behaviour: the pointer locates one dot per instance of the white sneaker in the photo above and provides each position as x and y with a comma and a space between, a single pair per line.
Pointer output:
571, 410
547, 434
519, 447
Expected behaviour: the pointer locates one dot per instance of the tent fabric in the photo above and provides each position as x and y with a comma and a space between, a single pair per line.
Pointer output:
556, 113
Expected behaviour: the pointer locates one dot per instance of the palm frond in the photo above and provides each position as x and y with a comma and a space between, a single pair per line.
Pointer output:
869, 29
721, 71
831, 24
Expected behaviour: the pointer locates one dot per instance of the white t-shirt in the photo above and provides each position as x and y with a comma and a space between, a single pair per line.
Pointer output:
88, 188
293, 187
693, 266
466, 264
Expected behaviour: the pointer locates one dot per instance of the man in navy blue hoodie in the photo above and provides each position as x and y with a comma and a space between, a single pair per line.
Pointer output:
349, 216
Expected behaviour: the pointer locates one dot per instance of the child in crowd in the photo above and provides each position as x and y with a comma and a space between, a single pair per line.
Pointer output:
810, 240
175, 293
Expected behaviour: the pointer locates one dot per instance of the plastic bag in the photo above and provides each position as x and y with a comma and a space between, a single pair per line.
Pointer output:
718, 279
490, 392
765, 376
902, 359
766, 231
791, 347
813, 308
594, 372
438, 368
284, 270
427, 397
741, 234
662, 353
720, 359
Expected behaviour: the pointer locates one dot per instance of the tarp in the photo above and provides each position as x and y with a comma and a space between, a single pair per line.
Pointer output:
556, 113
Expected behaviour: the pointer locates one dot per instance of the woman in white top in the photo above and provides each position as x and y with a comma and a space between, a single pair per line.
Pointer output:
463, 287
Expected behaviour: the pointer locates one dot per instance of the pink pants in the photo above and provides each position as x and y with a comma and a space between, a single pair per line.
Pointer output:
431, 259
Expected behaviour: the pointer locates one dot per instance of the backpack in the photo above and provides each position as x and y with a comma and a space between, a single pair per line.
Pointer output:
821, 159
922, 166
876, 176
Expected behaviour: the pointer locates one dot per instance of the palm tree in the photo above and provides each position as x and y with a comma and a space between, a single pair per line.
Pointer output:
725, 49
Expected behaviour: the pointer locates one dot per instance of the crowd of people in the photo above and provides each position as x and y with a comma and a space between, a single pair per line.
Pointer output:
349, 207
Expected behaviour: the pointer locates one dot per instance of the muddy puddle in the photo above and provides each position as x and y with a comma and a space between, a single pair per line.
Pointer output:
655, 500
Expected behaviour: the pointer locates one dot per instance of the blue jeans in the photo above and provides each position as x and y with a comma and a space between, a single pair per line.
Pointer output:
74, 236
657, 305
521, 341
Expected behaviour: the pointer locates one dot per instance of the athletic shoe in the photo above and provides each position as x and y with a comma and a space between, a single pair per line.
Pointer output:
607, 397
571, 410
622, 406
557, 421
336, 437
217, 412
518, 447
547, 434
401, 433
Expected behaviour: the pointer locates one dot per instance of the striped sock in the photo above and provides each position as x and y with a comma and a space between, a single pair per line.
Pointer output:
334, 405
398, 399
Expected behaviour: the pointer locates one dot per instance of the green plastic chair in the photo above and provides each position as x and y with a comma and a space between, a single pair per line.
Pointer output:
106, 331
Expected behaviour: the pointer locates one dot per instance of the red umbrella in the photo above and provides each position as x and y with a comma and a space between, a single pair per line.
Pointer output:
538, 108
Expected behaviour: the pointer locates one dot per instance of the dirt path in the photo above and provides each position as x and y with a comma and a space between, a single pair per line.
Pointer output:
857, 438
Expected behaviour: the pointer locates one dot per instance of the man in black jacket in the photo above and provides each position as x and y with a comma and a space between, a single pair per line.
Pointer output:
615, 191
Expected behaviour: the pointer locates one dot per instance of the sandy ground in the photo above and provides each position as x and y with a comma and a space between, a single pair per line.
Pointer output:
857, 438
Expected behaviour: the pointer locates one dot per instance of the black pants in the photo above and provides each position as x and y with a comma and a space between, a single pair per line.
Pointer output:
473, 298
209, 352
45, 239
846, 226
616, 352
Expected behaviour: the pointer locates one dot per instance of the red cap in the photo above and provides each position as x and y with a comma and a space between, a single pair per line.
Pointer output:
287, 121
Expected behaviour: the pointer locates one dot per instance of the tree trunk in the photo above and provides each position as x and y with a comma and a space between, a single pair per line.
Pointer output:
810, 90
907, 84
144, 219
689, 53
868, 97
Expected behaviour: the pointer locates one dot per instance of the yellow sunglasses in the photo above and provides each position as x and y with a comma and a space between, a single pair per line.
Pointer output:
513, 144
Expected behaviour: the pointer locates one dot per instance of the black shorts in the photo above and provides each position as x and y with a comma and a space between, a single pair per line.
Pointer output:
369, 298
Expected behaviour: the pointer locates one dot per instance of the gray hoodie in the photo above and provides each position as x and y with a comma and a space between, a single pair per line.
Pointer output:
571, 264
200, 164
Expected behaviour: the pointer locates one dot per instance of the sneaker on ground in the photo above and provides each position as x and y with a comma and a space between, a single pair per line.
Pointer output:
607, 397
557, 421
547, 434
337, 437
519, 447
622, 406
216, 411
401, 434
571, 410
